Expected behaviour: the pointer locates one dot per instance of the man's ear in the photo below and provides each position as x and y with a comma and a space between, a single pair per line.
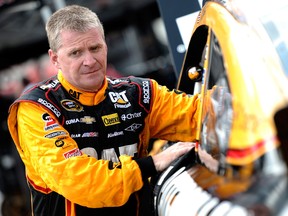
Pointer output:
53, 58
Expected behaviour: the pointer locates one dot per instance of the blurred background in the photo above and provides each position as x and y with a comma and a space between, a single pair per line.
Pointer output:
137, 45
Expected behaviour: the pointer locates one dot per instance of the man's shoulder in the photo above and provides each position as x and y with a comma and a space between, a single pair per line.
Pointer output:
39, 89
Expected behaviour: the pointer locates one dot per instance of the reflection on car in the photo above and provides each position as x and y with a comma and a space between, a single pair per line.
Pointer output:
237, 60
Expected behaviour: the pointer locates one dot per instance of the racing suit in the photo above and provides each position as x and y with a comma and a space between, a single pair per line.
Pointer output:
85, 153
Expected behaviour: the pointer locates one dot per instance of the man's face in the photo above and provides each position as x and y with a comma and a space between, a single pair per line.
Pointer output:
82, 58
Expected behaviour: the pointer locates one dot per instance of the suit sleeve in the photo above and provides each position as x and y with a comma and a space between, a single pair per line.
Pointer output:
174, 114
54, 162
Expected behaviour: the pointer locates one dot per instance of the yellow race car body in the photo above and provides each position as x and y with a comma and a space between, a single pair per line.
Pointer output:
237, 60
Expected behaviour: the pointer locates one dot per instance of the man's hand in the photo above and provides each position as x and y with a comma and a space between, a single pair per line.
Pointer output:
163, 159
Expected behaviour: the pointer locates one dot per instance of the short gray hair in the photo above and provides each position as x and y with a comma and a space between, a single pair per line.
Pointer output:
73, 17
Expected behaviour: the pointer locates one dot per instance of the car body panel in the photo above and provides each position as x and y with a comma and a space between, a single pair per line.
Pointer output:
250, 68
239, 164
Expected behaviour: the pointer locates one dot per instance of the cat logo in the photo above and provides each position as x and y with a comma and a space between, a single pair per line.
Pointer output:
87, 119
74, 94
119, 99
59, 142
111, 119
71, 105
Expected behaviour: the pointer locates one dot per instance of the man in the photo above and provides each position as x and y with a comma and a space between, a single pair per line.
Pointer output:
83, 137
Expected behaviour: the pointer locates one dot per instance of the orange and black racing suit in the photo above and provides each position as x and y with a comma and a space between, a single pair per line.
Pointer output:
85, 153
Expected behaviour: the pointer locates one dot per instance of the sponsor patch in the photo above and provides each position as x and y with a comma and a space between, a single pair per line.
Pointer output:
72, 121
119, 99
72, 153
55, 134
71, 105
116, 133
133, 127
49, 106
88, 120
111, 119
50, 123
75, 135
90, 134
117, 81
74, 94
146, 92
129, 116
49, 85
59, 142
85, 119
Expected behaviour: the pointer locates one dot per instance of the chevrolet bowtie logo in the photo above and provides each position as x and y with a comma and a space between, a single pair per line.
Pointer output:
87, 119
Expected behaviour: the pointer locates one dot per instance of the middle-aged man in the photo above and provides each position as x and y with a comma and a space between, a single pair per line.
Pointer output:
83, 136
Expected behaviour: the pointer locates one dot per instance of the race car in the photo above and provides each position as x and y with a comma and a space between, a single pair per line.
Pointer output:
237, 60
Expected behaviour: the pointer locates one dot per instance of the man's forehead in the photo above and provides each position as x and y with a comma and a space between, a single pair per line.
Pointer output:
75, 38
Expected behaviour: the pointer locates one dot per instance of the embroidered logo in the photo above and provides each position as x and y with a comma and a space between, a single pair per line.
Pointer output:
71, 105
146, 92
72, 153
49, 106
55, 134
111, 119
129, 116
74, 94
133, 127
59, 142
119, 99
87, 119
50, 123
49, 85
90, 134
116, 133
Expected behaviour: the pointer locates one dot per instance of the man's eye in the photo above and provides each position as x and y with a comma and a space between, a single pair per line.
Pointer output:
76, 52
95, 48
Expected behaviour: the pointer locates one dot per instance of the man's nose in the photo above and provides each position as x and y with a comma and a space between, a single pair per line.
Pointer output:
89, 59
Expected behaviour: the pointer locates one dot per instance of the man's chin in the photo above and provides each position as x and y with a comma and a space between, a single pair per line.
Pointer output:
92, 86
